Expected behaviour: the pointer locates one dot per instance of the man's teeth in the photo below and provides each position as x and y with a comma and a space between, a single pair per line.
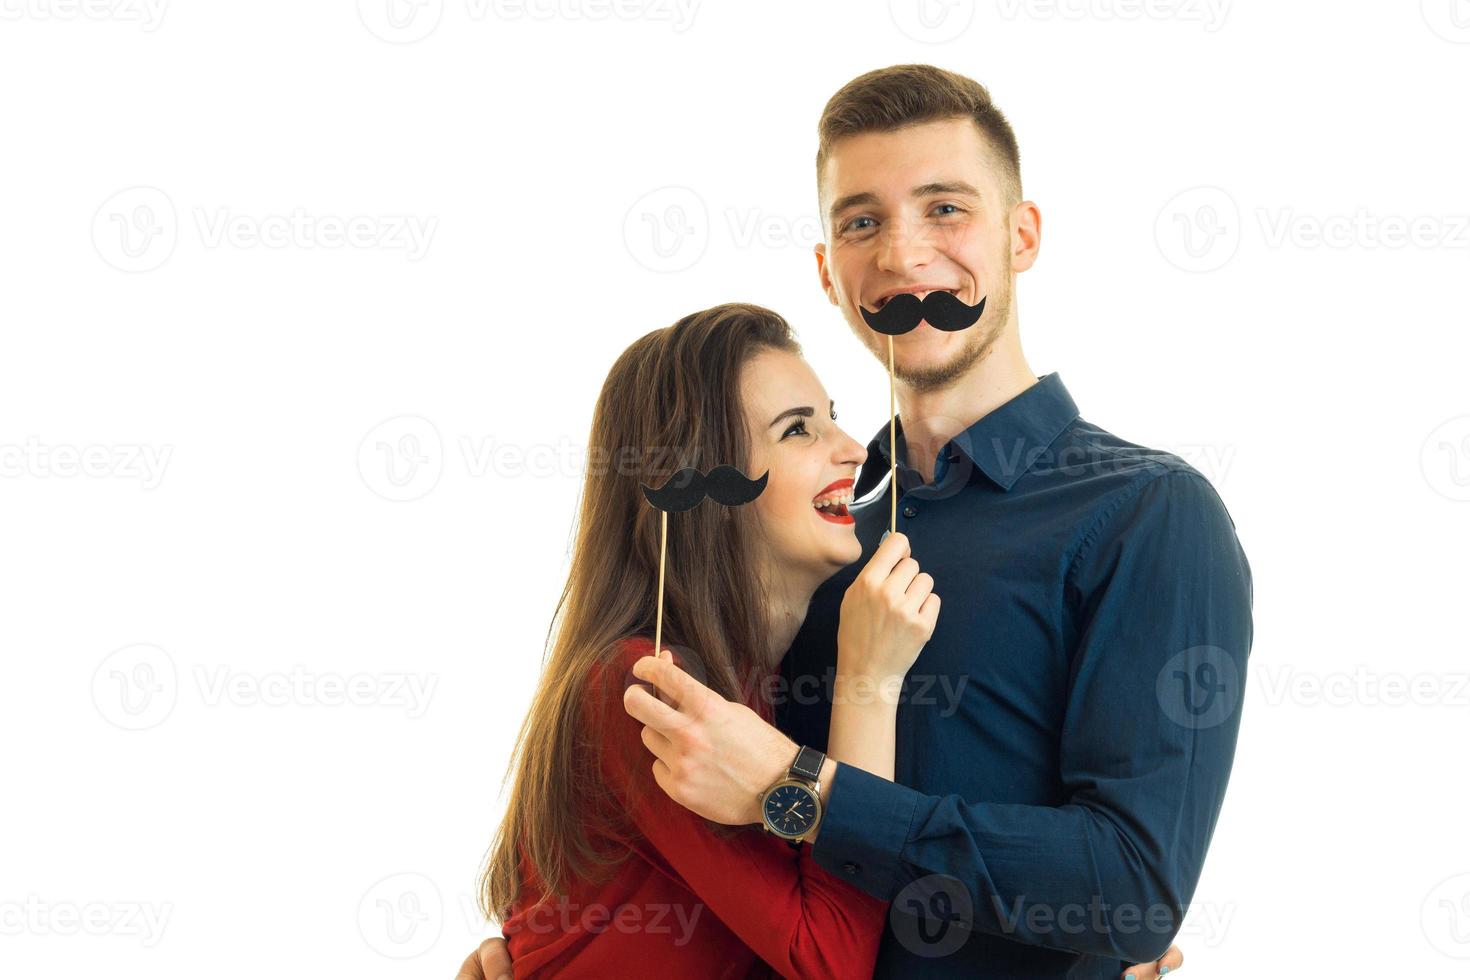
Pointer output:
921, 294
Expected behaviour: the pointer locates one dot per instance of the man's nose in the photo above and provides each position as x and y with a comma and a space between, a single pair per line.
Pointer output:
903, 245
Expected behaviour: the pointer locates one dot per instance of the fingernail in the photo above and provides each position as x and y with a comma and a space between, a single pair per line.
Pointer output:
1130, 977
1163, 970
884, 538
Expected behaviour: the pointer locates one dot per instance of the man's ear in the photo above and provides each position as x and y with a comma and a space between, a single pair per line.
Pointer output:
824, 275
1025, 222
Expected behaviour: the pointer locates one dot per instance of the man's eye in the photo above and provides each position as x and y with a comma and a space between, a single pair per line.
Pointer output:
856, 224
798, 427
955, 209
834, 415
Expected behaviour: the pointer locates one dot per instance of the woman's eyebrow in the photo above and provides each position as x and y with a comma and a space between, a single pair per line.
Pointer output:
804, 411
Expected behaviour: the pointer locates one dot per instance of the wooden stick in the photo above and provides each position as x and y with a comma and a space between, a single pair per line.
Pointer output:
892, 449
663, 539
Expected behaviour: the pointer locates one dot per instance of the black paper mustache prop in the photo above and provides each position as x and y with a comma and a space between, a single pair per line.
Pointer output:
901, 314
943, 311
683, 491
723, 484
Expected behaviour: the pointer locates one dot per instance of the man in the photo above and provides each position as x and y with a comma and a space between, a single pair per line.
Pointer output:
1065, 739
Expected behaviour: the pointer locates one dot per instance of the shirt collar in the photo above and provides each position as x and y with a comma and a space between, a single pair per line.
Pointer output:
1002, 444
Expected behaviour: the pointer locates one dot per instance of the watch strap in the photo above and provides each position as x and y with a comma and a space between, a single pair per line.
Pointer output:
808, 764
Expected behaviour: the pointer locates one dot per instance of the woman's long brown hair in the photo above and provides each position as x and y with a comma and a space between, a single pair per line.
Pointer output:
671, 400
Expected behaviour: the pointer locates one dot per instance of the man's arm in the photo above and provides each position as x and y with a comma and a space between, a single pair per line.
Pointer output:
490, 962
1161, 596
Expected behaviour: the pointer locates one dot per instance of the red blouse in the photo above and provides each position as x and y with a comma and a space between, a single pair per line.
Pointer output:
686, 903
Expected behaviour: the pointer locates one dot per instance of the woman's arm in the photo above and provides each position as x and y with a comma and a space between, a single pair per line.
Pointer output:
888, 614
862, 730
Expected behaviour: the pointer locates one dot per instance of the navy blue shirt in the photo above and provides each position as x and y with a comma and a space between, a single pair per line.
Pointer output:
1065, 737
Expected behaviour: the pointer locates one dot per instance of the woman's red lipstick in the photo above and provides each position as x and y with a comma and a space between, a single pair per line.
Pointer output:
841, 516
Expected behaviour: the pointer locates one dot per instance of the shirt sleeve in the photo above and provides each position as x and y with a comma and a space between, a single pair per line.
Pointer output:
1159, 599
797, 917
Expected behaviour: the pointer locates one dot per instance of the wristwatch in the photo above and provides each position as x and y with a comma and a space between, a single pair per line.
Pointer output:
792, 807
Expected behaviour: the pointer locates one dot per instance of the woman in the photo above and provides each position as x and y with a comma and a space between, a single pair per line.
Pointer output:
595, 872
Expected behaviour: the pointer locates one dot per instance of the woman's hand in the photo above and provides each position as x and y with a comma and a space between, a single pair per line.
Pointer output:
888, 614
1166, 964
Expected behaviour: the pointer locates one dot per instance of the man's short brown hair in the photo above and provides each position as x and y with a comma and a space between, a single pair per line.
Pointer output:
904, 95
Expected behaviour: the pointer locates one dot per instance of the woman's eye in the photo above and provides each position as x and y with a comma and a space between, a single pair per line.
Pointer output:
797, 427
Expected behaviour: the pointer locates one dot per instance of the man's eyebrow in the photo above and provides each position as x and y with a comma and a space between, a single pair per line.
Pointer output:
851, 201
867, 198
804, 411
945, 187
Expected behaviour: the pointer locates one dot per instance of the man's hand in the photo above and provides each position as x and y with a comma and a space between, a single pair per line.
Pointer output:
713, 756
490, 962
1168, 963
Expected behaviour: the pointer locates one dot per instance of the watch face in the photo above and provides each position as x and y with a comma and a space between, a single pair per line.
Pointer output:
791, 810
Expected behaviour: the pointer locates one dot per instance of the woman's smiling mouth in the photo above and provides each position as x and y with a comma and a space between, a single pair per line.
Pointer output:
832, 503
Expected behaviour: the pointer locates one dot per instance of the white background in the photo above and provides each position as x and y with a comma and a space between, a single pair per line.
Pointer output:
248, 465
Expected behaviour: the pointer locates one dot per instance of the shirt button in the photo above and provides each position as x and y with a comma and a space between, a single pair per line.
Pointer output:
910, 511
851, 868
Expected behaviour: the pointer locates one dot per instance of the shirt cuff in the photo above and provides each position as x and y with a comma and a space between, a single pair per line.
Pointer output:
864, 829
